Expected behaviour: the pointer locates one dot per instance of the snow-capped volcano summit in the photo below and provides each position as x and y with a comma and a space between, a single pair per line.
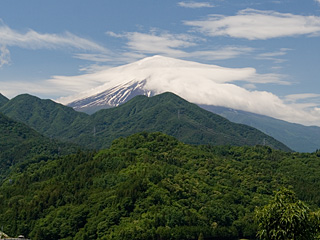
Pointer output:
154, 75
198, 83
111, 97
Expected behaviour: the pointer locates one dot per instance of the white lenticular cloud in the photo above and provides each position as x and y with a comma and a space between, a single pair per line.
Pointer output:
197, 83
255, 24
191, 4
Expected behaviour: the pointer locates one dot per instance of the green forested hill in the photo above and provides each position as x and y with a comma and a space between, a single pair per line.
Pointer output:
173, 115
166, 113
19, 143
3, 100
46, 116
151, 186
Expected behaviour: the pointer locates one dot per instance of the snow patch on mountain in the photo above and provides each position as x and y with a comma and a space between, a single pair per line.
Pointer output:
112, 97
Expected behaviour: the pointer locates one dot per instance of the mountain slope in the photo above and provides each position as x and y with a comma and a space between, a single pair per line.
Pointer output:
166, 113
45, 116
19, 143
111, 97
175, 116
3, 100
296, 136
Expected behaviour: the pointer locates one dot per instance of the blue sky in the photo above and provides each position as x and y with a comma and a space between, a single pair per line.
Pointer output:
41, 41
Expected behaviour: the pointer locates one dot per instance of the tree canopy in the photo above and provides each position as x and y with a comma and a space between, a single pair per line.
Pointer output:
286, 217
151, 186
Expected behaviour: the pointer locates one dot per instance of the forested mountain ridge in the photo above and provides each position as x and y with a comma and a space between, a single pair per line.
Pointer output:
19, 143
165, 113
151, 186
170, 114
46, 116
3, 100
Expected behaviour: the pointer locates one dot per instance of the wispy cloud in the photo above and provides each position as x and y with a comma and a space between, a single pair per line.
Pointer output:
191, 4
222, 53
302, 97
157, 43
274, 56
281, 52
177, 45
4, 55
94, 57
267, 78
255, 24
34, 40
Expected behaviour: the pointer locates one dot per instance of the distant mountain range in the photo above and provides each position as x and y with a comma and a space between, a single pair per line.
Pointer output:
167, 113
298, 137
157, 74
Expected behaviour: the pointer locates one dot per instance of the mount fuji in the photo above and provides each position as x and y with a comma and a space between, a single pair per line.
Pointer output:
195, 82
208, 86
202, 84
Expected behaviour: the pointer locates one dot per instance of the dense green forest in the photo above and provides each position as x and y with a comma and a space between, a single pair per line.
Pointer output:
167, 113
19, 143
152, 186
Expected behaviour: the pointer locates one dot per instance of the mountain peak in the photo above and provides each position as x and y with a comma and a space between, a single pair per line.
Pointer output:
148, 76
162, 61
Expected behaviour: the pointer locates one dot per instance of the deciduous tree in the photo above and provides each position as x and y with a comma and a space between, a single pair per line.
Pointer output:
286, 217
